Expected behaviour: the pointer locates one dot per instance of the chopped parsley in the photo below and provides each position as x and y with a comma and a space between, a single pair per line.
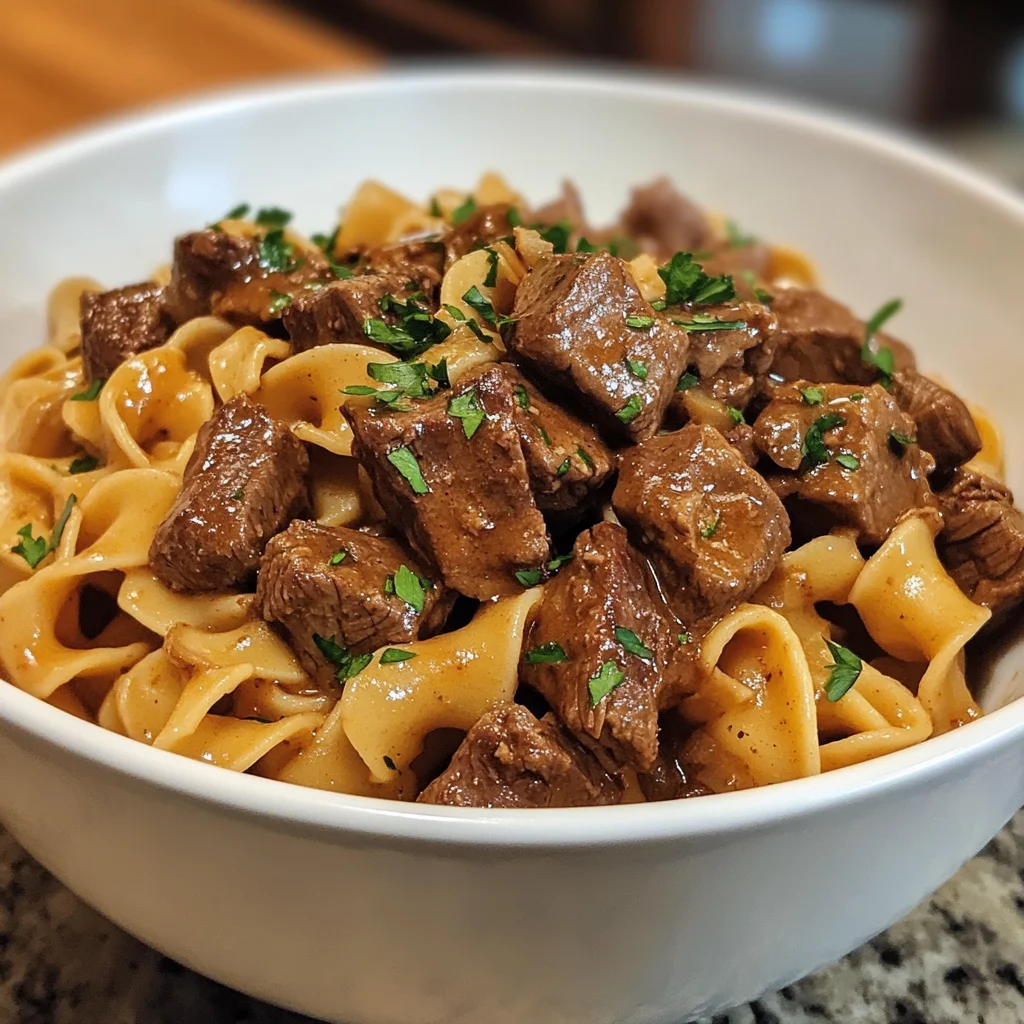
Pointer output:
405, 462
409, 378
848, 460
735, 237
736, 414
464, 211
492, 268
637, 368
32, 549
812, 395
845, 671
544, 436
604, 681
279, 302
711, 527
337, 558
62, 521
558, 235
882, 360
434, 209
564, 467
475, 299
529, 577
583, 245
640, 323
237, 212
272, 217
390, 764
83, 464
631, 643
341, 658
683, 638
409, 587
393, 655
276, 253
706, 322
465, 407
534, 577
813, 448
898, 442
556, 563
416, 331
685, 281
438, 372
522, 397
687, 381
630, 410
515, 218
585, 458
237, 495
551, 653
91, 393
326, 243
857, 396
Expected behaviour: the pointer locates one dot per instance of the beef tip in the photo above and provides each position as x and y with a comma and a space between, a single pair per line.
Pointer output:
751, 345
605, 590
945, 427
847, 460
245, 481
741, 437
464, 501
712, 526
664, 222
335, 313
118, 324
668, 778
486, 225
510, 759
417, 262
571, 333
982, 540
223, 274
819, 340
566, 458
330, 581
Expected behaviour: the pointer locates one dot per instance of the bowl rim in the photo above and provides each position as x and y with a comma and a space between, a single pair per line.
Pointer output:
334, 814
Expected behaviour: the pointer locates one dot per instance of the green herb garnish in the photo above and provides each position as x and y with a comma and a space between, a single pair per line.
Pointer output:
393, 655
813, 448
882, 360
492, 268
585, 458
736, 415
848, 460
475, 299
685, 281
550, 653
564, 467
522, 397
32, 549
640, 323
631, 643
465, 407
276, 254
637, 368
736, 238
464, 210
630, 410
687, 381
898, 442
558, 235
604, 681
711, 528
812, 395
438, 372
272, 217
409, 587
683, 638
91, 393
529, 577
337, 558
405, 462
279, 302
556, 563
83, 464
706, 322
845, 671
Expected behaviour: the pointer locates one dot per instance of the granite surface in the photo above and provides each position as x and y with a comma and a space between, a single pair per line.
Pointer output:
957, 959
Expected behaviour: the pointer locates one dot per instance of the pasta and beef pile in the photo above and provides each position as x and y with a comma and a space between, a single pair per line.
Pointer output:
477, 504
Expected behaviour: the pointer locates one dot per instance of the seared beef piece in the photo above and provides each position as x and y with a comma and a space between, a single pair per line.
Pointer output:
570, 332
819, 340
335, 313
982, 540
664, 222
883, 479
118, 324
510, 759
221, 274
605, 587
666, 779
245, 481
945, 427
741, 437
712, 526
752, 346
486, 225
476, 519
417, 262
566, 458
304, 587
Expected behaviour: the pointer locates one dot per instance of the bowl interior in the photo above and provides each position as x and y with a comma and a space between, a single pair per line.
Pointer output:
880, 217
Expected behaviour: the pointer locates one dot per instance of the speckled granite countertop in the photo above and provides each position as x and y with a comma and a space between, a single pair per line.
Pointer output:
957, 959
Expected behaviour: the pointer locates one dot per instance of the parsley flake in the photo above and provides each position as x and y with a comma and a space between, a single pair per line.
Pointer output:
631, 642
272, 217
604, 681
390, 764
276, 254
238, 495
711, 528
813, 448
630, 410
409, 587
640, 323
522, 397
556, 563
279, 302
394, 655
410, 378
515, 218
848, 460
706, 322
32, 549
475, 299
464, 211
492, 268
637, 368
882, 360
687, 381
465, 407
685, 281
736, 415
91, 393
558, 235
529, 577
337, 558
683, 638
438, 372
585, 458
564, 467
551, 653
405, 462
845, 671
812, 395
237, 212
83, 464
898, 442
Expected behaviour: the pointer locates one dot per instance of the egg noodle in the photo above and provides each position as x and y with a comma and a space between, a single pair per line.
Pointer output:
204, 677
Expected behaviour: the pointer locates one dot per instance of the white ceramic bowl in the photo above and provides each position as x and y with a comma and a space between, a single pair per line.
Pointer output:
366, 911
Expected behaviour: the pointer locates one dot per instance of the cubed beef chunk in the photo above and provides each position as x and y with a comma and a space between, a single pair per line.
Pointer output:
225, 275
847, 456
487, 224
335, 314
450, 471
819, 339
668, 778
601, 650
566, 458
120, 323
982, 540
510, 759
572, 332
945, 427
663, 222
712, 526
417, 262
333, 582
245, 481
741, 437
